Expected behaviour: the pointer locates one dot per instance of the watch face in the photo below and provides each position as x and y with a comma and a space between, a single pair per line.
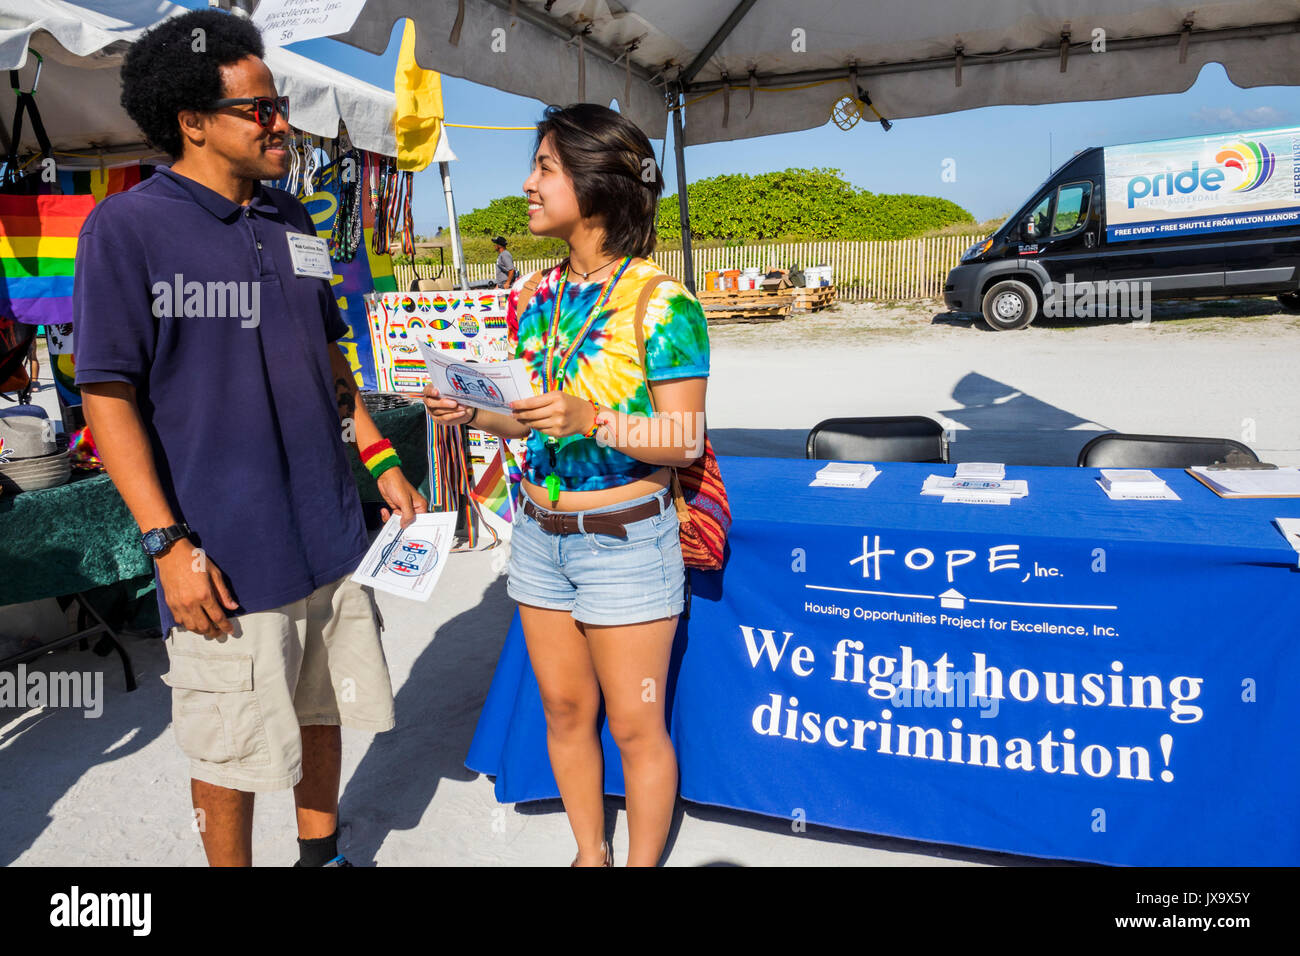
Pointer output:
153, 542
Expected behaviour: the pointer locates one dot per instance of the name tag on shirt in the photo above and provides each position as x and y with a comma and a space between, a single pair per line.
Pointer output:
311, 256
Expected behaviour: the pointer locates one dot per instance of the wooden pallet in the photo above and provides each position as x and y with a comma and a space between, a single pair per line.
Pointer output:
749, 305
814, 299
726, 316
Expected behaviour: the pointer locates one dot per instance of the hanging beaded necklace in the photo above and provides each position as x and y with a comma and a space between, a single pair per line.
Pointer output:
346, 235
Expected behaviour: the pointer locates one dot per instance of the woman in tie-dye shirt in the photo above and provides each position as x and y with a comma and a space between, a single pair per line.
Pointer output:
596, 562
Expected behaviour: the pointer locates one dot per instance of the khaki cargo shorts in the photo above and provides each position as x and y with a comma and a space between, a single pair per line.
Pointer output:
239, 699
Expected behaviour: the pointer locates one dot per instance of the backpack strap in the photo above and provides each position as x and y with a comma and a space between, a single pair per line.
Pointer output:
529, 287
642, 306
526, 293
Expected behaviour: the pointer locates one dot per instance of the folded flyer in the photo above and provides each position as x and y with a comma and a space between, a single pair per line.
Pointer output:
408, 561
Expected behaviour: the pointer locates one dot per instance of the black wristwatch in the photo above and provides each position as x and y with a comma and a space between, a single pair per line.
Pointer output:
158, 540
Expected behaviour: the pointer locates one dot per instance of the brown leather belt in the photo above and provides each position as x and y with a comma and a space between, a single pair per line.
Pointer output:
603, 522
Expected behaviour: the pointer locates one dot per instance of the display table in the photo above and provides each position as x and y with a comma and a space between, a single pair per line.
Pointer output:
1064, 676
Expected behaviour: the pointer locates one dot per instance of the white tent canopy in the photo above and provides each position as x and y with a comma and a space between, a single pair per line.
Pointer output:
80, 83
913, 57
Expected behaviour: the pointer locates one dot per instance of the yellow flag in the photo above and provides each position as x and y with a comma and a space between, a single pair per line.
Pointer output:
419, 107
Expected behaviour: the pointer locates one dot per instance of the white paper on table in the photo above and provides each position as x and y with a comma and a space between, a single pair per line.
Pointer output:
976, 498
1263, 482
1290, 528
863, 481
408, 562
938, 485
491, 386
981, 469
1138, 491
853, 468
1128, 476
844, 474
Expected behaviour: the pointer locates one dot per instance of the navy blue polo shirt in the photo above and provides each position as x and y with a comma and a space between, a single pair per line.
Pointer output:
193, 299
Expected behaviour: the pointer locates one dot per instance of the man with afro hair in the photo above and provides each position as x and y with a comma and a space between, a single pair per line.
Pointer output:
221, 407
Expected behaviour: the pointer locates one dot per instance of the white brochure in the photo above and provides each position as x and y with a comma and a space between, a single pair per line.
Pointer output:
408, 562
491, 386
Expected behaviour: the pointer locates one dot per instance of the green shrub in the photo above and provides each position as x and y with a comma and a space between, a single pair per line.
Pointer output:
792, 205
801, 204
507, 216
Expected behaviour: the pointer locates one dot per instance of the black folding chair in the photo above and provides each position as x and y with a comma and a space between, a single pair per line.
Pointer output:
1118, 450
898, 438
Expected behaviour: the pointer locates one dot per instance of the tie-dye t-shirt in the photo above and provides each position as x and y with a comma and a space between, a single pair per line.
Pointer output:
607, 367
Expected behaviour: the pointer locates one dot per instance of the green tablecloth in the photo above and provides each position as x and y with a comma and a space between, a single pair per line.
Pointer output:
80, 535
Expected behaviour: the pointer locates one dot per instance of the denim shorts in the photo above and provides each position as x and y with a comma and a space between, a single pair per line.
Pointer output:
599, 578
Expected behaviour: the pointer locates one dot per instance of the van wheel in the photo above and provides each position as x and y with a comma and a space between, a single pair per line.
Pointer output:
1009, 305
1290, 301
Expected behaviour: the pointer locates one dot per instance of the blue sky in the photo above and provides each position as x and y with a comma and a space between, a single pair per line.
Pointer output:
1001, 152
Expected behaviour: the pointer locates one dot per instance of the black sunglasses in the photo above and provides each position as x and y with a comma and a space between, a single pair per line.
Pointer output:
266, 107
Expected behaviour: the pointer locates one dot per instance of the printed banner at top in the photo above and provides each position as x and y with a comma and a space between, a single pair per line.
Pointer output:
290, 21
1247, 180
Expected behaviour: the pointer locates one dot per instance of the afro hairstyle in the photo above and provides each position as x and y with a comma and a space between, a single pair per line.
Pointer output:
174, 67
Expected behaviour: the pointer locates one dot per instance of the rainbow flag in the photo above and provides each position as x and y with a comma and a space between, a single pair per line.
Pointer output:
103, 182
38, 249
496, 489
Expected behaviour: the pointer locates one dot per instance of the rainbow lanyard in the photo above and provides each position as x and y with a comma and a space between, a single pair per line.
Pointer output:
553, 375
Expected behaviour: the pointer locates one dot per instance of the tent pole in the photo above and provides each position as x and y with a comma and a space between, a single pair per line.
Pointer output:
683, 206
457, 253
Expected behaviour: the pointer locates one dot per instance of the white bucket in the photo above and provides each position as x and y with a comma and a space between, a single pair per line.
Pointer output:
750, 278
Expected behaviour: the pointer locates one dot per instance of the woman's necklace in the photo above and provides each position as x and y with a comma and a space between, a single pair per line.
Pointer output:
553, 374
586, 275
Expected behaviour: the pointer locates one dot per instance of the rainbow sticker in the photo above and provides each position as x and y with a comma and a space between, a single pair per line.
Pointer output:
1252, 160
423, 303
468, 326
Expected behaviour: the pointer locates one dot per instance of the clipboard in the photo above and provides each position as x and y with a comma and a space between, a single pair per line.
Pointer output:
1235, 495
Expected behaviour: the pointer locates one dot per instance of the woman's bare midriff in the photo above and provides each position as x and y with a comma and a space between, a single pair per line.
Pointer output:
585, 500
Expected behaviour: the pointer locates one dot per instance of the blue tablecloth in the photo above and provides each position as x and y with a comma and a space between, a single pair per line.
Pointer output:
1065, 676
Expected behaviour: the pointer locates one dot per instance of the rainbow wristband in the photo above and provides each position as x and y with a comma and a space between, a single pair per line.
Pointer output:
595, 423
379, 457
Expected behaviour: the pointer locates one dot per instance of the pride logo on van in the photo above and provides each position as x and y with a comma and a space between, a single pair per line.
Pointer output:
1254, 161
